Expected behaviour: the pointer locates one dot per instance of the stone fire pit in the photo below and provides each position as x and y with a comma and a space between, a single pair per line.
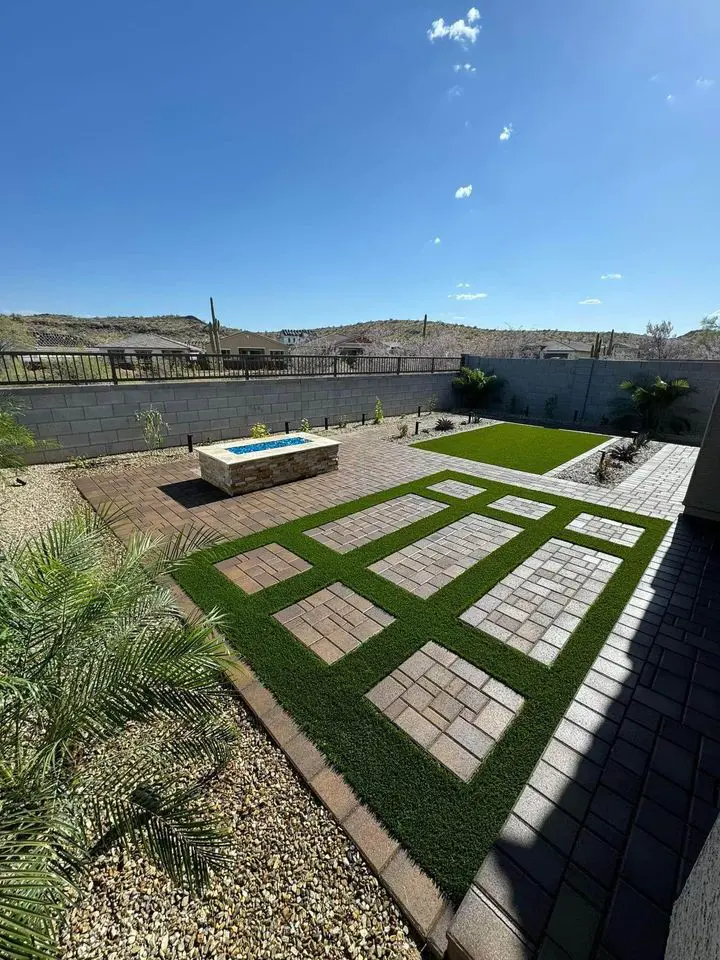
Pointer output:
239, 466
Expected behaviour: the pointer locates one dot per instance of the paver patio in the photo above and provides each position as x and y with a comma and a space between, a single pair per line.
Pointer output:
623, 533
261, 568
615, 812
375, 522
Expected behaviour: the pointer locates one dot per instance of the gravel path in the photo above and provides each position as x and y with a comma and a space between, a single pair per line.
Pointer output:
296, 887
584, 470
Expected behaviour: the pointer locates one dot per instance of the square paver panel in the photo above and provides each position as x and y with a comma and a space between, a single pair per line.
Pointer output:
622, 533
449, 707
370, 524
263, 567
523, 507
333, 621
430, 563
537, 607
456, 488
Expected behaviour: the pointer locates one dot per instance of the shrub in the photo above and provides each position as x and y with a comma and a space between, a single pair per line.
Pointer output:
154, 428
604, 468
379, 415
305, 425
402, 429
93, 654
625, 453
431, 403
551, 406
258, 431
15, 439
342, 422
649, 405
476, 388
444, 423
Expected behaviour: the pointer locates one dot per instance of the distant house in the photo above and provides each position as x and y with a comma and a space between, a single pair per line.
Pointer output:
245, 344
355, 346
143, 345
556, 350
291, 337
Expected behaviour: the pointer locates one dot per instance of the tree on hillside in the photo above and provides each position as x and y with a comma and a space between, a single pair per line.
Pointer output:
14, 332
661, 340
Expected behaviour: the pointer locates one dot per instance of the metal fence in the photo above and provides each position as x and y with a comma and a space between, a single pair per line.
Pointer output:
79, 367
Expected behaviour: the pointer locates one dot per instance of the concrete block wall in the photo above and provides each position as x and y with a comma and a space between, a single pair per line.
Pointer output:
99, 419
586, 388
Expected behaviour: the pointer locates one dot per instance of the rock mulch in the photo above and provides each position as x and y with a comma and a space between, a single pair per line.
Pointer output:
584, 470
295, 886
389, 430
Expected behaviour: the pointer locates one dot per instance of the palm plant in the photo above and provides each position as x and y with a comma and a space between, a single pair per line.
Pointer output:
476, 387
110, 721
651, 402
15, 439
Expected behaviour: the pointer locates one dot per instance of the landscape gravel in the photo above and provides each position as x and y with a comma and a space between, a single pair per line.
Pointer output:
295, 886
584, 470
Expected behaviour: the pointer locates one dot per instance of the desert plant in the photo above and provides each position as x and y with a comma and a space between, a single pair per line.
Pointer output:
650, 403
551, 406
476, 388
379, 416
305, 425
110, 721
154, 427
431, 403
624, 452
402, 428
342, 423
444, 423
258, 431
15, 439
603, 471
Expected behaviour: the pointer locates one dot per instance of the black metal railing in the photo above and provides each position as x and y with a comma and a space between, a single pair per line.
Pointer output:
34, 366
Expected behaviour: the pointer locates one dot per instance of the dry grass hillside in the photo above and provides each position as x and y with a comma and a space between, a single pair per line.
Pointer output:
387, 336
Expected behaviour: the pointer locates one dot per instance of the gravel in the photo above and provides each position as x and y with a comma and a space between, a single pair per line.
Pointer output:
584, 470
296, 887
389, 429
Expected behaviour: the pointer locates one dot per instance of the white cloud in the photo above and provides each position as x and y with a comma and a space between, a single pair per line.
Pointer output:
588, 301
459, 30
611, 276
463, 285
704, 83
454, 92
463, 192
670, 98
437, 240
467, 296
466, 67
507, 132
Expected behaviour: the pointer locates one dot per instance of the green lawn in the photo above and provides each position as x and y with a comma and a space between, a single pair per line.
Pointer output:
447, 825
515, 445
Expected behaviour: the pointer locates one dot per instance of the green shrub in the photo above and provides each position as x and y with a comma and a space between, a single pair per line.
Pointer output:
154, 427
305, 425
476, 388
258, 431
15, 439
444, 423
649, 406
379, 415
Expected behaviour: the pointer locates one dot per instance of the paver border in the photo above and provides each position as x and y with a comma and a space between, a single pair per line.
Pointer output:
500, 789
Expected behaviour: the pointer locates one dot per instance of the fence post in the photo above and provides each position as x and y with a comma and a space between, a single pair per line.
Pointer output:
247, 366
335, 359
432, 365
113, 371
398, 366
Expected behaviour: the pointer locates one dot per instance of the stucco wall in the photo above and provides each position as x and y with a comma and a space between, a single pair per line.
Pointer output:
99, 419
695, 923
586, 388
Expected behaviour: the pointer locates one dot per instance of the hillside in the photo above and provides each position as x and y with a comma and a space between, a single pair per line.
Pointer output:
52, 329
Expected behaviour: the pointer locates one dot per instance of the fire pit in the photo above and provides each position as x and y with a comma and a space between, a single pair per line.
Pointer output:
239, 466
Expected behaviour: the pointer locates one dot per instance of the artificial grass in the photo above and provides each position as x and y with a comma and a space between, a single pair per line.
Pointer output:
516, 445
446, 825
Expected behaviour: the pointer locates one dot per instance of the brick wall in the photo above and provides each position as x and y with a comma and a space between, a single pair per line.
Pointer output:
98, 419
586, 388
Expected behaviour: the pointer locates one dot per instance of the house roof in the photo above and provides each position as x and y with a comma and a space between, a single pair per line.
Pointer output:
245, 338
148, 341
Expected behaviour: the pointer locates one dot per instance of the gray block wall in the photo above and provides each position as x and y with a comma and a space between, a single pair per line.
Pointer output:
585, 388
695, 923
99, 419
703, 493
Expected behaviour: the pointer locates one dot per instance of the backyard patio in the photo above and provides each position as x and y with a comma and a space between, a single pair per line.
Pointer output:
552, 757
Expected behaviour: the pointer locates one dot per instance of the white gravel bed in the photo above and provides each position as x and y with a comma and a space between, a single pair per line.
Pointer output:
584, 470
296, 887
389, 429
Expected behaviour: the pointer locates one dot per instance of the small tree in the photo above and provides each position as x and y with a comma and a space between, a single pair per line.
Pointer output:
476, 388
661, 339
379, 416
15, 439
651, 402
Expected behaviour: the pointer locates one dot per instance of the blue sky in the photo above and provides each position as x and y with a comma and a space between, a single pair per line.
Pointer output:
298, 161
